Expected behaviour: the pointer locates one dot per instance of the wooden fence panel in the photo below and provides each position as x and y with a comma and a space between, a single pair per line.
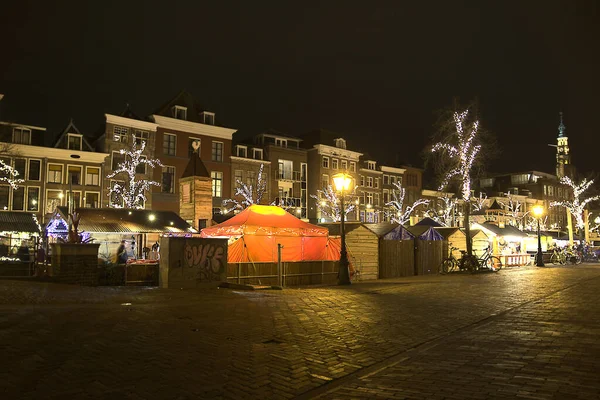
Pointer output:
429, 256
396, 258
294, 273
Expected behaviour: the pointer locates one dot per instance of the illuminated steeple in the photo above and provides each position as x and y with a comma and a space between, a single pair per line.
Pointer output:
563, 156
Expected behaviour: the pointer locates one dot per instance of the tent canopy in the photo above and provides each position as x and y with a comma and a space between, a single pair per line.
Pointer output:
399, 233
428, 222
424, 232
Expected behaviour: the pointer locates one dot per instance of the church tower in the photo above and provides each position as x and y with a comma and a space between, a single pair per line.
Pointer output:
563, 155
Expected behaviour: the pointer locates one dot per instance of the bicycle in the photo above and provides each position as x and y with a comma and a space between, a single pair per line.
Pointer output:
558, 257
449, 264
488, 261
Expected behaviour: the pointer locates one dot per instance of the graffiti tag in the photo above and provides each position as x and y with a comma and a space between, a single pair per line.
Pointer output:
207, 258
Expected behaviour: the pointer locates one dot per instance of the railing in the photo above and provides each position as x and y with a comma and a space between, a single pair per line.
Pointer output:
295, 176
289, 201
292, 273
514, 260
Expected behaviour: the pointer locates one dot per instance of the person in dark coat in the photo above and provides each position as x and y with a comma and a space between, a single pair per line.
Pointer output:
121, 253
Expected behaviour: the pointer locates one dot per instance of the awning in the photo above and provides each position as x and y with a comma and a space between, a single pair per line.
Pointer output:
14, 222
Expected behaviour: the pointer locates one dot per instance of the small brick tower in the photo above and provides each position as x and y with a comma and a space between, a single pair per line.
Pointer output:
195, 193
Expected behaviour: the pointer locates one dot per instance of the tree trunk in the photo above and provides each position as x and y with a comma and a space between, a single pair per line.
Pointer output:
468, 227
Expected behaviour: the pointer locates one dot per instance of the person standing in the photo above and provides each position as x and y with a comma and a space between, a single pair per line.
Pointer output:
122, 253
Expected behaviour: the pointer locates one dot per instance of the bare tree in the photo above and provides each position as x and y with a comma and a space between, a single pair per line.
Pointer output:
478, 203
577, 204
328, 203
248, 193
442, 210
401, 214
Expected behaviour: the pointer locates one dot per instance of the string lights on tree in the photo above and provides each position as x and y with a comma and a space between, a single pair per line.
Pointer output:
577, 204
248, 193
479, 203
328, 203
132, 192
9, 174
399, 214
512, 209
442, 211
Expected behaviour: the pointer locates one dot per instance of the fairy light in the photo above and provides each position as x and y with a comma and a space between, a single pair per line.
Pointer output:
133, 191
248, 193
577, 205
9, 175
400, 214
328, 203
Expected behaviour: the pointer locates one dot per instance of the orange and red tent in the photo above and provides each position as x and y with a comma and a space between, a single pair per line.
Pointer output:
255, 233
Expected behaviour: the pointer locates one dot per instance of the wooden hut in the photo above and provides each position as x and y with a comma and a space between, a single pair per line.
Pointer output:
428, 249
396, 250
456, 237
362, 245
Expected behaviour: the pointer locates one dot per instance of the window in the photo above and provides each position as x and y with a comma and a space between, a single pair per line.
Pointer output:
369, 198
386, 196
8, 162
242, 151
207, 118
325, 162
217, 183
33, 198
334, 163
352, 166
92, 200
141, 136
340, 143
281, 142
120, 134
324, 180
250, 178
257, 154
141, 167
386, 179
74, 174
369, 181
55, 172
376, 183
115, 198
18, 199
179, 112
191, 150
34, 170
4, 192
344, 165
186, 195
73, 141
217, 151
377, 199
21, 135
362, 180
92, 176
117, 159
487, 182
53, 199
168, 179
19, 166
371, 165
238, 176
169, 143
75, 200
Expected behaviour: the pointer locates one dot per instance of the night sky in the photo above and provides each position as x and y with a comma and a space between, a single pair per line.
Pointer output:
374, 73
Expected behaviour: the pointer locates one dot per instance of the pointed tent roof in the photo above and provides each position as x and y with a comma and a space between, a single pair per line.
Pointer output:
428, 222
71, 128
424, 232
446, 232
195, 167
495, 206
399, 233
264, 221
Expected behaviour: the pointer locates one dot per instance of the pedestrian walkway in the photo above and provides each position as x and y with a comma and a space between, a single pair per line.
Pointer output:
526, 332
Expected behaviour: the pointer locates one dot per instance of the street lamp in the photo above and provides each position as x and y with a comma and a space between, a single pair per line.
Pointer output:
342, 183
539, 258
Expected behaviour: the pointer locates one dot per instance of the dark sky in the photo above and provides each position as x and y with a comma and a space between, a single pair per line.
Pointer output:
373, 71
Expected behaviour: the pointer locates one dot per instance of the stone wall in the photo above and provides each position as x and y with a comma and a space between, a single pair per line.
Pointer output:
192, 262
75, 263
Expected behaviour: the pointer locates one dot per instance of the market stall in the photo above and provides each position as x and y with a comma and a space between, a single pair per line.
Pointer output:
19, 243
508, 243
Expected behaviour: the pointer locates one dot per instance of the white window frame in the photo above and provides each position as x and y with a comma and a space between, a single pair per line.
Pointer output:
138, 134
369, 181
164, 148
92, 192
371, 165
222, 151
335, 163
11, 194
81, 176
352, 166
238, 148
22, 129
62, 172
325, 162
376, 183
281, 142
210, 115
325, 178
80, 140
213, 179
175, 111
121, 136
60, 199
257, 151
38, 199
67, 192
86, 175
344, 165
28, 169
13, 162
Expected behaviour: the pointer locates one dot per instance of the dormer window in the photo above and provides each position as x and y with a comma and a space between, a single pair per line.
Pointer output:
207, 118
179, 112
371, 165
280, 142
21, 135
340, 143
242, 151
257, 154
73, 141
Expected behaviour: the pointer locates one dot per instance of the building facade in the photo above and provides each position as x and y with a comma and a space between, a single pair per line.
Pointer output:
246, 162
370, 191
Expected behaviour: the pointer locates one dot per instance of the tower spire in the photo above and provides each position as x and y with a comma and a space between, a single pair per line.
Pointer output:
561, 126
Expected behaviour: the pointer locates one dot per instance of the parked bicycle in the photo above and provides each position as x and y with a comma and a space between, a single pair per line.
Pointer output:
470, 263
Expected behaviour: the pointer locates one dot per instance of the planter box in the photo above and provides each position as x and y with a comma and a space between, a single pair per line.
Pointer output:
75, 263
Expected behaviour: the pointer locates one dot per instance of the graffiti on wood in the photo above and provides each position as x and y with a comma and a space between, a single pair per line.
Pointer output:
208, 258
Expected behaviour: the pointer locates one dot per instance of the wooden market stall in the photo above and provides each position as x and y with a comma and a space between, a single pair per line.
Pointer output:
19, 243
508, 243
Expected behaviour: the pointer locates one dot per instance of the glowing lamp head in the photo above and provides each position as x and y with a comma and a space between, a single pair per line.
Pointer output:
342, 181
61, 195
538, 210
597, 220
151, 217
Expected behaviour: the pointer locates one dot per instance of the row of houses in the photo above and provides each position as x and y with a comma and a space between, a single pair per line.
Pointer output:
74, 168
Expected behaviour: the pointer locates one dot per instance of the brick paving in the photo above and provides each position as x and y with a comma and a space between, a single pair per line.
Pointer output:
522, 333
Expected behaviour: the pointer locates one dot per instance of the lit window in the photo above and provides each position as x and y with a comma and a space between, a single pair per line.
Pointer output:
217, 183
33, 199
168, 180
217, 151
92, 176
55, 173
120, 134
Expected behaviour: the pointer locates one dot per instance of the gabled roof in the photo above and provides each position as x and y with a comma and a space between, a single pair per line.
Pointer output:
424, 232
446, 232
183, 99
382, 228
506, 231
495, 206
195, 167
12, 221
122, 220
61, 141
428, 222
399, 233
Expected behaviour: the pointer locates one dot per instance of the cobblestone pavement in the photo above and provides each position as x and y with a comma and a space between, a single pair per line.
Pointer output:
521, 333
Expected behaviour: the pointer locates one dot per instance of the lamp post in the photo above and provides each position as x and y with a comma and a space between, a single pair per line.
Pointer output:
342, 183
539, 257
